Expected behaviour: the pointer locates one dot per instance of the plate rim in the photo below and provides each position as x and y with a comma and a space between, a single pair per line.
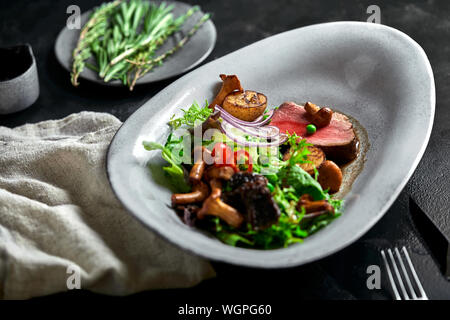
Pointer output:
236, 260
142, 81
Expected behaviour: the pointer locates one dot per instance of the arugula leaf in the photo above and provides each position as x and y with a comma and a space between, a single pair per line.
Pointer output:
293, 175
281, 234
176, 147
302, 182
175, 172
320, 222
232, 239
191, 116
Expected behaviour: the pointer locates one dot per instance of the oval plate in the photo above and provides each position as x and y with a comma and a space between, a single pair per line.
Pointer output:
193, 52
372, 72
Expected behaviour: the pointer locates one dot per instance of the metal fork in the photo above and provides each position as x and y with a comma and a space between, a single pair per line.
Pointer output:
411, 295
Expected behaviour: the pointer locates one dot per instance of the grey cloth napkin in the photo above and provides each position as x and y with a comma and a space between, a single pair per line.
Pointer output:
59, 217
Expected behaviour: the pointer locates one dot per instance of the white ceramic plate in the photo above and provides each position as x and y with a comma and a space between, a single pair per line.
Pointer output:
372, 72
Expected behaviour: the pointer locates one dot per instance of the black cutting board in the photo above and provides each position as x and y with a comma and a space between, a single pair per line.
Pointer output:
430, 190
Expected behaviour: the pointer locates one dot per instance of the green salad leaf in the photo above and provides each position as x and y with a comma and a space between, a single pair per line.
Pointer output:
191, 116
293, 175
298, 149
302, 182
176, 147
174, 171
288, 182
233, 238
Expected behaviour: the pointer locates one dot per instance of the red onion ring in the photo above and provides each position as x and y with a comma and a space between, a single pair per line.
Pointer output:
264, 132
258, 122
254, 128
281, 138
261, 120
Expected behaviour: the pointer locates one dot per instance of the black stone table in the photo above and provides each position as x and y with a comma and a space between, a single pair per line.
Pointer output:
239, 23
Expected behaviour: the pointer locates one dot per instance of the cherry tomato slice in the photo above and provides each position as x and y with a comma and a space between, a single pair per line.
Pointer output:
223, 154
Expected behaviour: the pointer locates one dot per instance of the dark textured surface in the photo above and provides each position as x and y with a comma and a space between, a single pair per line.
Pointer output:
341, 276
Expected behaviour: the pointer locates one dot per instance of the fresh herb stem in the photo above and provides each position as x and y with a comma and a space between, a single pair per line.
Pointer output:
178, 46
123, 37
95, 27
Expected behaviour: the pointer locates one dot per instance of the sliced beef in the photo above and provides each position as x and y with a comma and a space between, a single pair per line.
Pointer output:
337, 140
250, 196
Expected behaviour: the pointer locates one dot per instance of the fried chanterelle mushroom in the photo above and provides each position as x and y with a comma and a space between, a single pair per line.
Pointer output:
314, 208
200, 189
201, 202
230, 84
214, 205
199, 193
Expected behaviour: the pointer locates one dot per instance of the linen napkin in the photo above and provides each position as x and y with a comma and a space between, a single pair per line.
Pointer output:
59, 217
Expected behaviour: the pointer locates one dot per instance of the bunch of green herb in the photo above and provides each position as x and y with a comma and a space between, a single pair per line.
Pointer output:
92, 30
123, 37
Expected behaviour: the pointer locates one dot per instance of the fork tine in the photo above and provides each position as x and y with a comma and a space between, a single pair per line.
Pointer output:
397, 273
391, 279
405, 274
414, 273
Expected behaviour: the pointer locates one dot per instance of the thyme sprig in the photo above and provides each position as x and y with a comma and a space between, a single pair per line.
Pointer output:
94, 28
123, 37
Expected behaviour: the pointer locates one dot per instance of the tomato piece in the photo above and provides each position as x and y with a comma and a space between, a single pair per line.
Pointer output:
223, 154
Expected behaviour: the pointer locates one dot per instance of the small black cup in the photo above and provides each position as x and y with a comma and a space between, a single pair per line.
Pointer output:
19, 83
